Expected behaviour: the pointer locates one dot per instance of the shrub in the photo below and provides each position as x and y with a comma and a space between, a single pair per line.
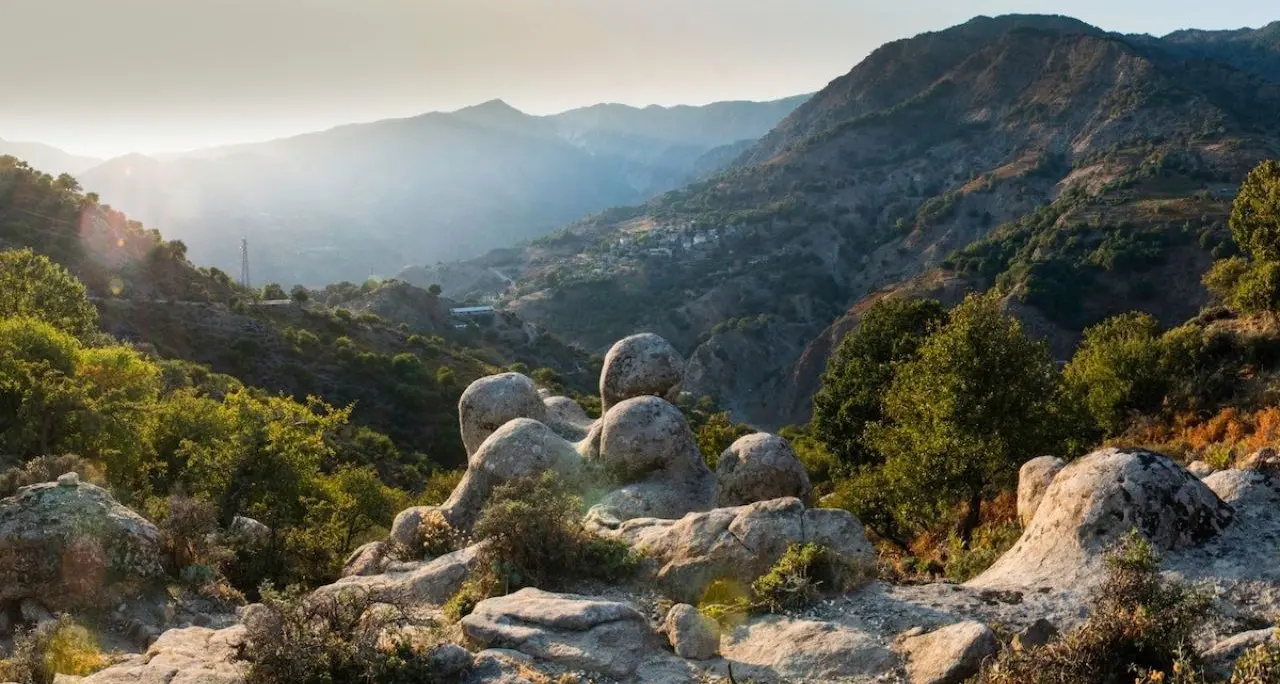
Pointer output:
989, 543
801, 576
187, 528
344, 637
438, 536
1259, 665
57, 647
534, 537
1139, 623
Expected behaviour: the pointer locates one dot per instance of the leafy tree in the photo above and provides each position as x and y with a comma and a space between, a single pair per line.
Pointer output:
1255, 215
718, 433
435, 290
861, 370
32, 285
979, 399
39, 393
273, 291
299, 294
1118, 370
357, 502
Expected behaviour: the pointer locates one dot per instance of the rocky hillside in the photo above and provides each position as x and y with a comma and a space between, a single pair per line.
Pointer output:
374, 198
1079, 168
1079, 597
390, 350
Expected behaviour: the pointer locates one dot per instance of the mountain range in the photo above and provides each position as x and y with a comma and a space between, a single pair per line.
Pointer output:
370, 199
1088, 173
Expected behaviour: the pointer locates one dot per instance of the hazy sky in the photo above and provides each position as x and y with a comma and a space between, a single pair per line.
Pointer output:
106, 77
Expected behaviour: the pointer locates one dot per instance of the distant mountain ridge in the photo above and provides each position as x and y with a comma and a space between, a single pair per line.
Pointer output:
1086, 172
46, 157
370, 199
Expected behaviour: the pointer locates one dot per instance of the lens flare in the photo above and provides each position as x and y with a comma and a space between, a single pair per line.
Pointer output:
116, 286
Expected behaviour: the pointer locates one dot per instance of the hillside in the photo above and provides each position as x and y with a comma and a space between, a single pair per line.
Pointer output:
374, 198
45, 157
389, 350
1099, 165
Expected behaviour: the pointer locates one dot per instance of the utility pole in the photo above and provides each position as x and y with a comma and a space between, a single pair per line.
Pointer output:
244, 262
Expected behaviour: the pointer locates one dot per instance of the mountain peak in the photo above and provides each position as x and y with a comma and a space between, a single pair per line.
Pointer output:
492, 107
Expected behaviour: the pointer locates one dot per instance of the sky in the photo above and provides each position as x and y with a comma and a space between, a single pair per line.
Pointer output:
109, 77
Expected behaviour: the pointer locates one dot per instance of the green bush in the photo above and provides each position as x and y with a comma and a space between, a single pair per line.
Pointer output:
53, 648
1138, 623
533, 534
803, 574
347, 636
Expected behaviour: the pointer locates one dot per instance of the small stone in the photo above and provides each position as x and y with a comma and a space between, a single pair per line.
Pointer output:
69, 480
1037, 634
949, 655
1201, 469
692, 634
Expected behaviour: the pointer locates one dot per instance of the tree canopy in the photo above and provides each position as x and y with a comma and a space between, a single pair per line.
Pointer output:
33, 286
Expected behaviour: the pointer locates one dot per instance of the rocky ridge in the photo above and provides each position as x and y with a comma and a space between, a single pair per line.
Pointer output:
1220, 533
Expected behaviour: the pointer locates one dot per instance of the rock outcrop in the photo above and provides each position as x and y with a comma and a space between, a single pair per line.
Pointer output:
572, 631
1034, 479
414, 583
760, 467
1095, 500
777, 647
194, 655
71, 545
738, 543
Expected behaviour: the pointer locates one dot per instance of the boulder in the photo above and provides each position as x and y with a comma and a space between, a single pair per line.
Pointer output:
1200, 469
760, 467
640, 365
692, 634
450, 660
404, 529
949, 655
419, 583
1092, 503
249, 528
195, 655
776, 648
1220, 658
1033, 480
646, 444
520, 448
73, 546
567, 418
571, 631
369, 559
739, 543
491, 402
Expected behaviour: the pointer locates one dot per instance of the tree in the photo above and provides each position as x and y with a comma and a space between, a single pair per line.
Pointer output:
299, 294
979, 399
272, 291
1255, 215
39, 393
435, 290
32, 285
860, 371
1117, 369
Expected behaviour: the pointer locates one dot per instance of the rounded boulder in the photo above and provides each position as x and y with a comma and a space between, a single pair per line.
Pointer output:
491, 402
760, 467
640, 365
643, 435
